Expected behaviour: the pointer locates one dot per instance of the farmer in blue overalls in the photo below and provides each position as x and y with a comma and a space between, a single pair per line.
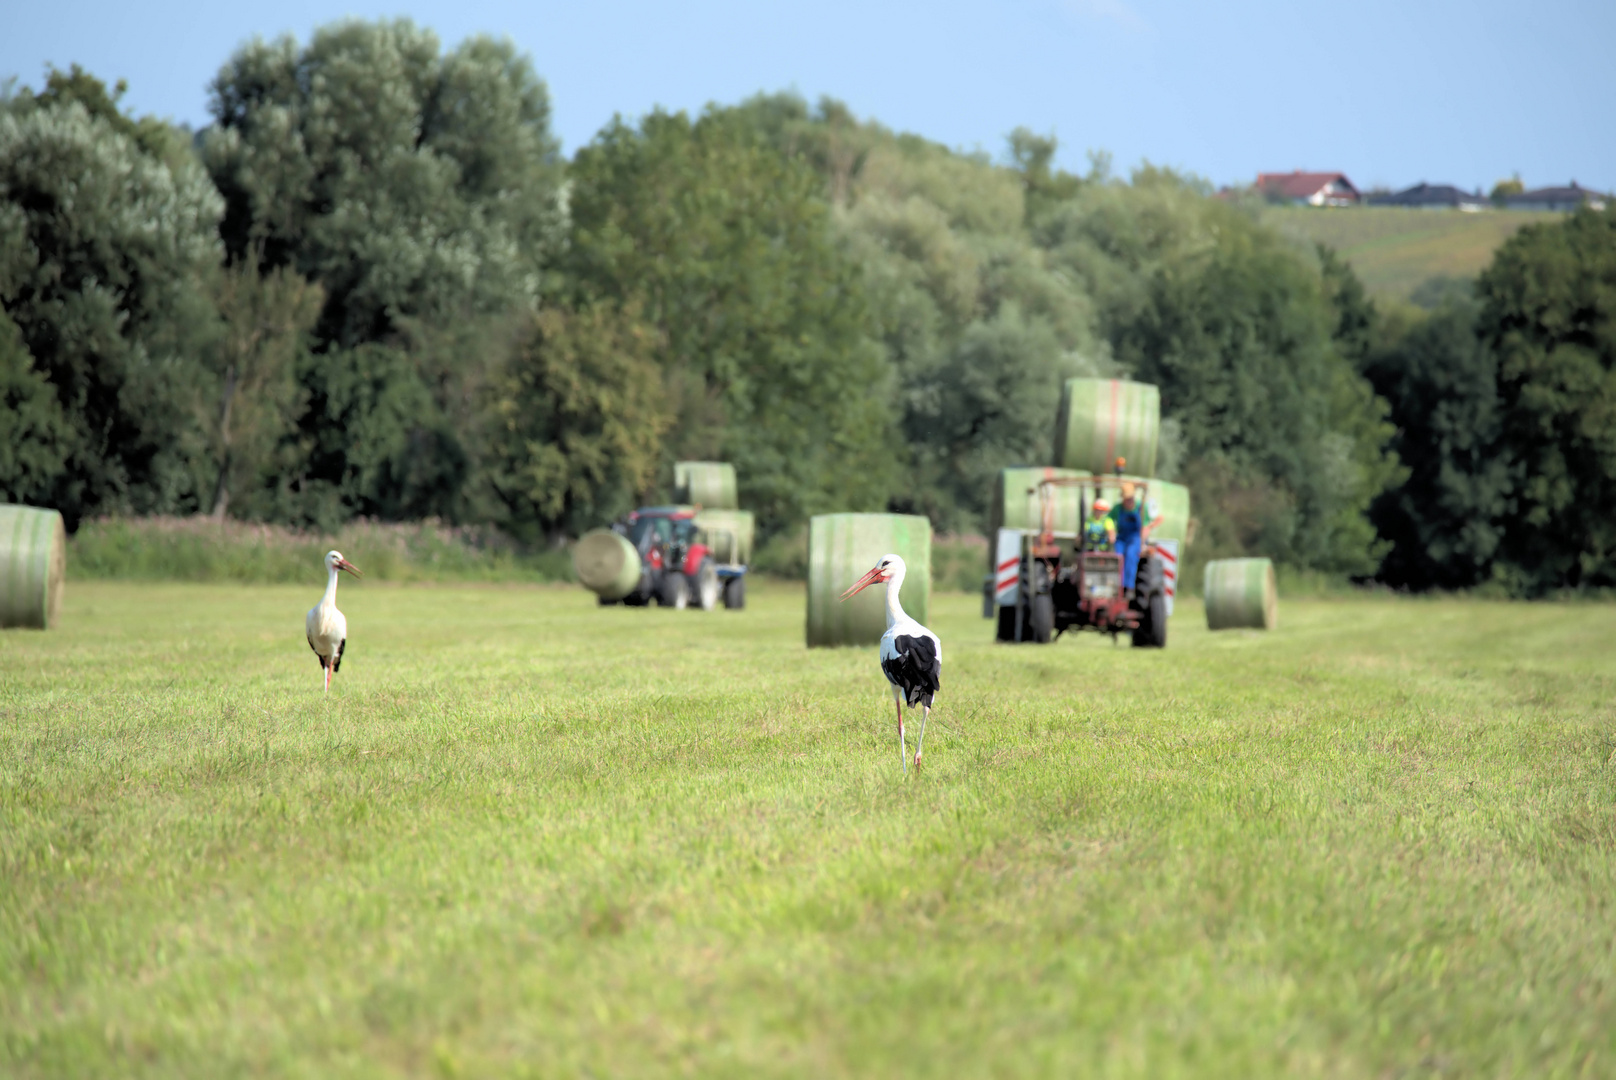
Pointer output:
1132, 528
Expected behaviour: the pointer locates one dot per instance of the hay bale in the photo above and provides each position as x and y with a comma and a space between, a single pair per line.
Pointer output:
1171, 502
33, 566
1015, 502
606, 563
1241, 593
1101, 420
728, 533
841, 548
709, 484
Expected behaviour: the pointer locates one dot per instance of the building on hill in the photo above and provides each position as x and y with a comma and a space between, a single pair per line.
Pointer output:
1557, 198
1425, 196
1308, 188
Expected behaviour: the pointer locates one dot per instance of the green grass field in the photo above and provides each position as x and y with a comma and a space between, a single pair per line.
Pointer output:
525, 836
1393, 250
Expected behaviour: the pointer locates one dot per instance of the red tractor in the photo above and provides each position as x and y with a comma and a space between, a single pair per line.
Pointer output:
1049, 582
677, 567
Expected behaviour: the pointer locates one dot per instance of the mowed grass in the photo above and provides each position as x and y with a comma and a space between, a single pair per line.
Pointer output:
1394, 249
526, 836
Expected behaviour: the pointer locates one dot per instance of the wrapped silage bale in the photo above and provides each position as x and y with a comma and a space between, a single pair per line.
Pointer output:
606, 563
708, 484
1171, 502
1016, 503
1101, 420
33, 566
841, 549
728, 533
1241, 593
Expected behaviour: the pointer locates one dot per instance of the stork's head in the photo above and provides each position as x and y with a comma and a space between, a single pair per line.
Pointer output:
887, 568
335, 561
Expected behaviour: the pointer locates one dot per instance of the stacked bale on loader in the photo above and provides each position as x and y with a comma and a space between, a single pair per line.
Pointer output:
33, 566
1101, 420
708, 484
606, 563
1241, 593
841, 548
1016, 502
1171, 503
728, 533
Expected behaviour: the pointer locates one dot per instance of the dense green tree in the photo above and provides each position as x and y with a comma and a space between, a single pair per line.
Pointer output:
579, 416
421, 191
1549, 315
36, 436
1445, 523
373, 442
1044, 187
406, 182
107, 242
1355, 317
980, 329
726, 247
1239, 338
987, 402
265, 318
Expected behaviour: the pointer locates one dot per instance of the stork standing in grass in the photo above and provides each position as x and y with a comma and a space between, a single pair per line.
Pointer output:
326, 626
911, 655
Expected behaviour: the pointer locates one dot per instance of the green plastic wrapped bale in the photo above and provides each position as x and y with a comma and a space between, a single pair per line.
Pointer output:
1101, 420
841, 549
1171, 503
1241, 593
708, 484
1015, 500
606, 563
728, 533
33, 566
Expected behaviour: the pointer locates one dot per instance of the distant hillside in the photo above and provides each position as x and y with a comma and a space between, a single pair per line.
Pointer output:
1394, 249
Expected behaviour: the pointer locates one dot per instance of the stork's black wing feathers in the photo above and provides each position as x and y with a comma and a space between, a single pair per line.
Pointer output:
336, 661
917, 669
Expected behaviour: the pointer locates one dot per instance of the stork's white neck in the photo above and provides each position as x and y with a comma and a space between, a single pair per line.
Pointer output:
895, 613
330, 597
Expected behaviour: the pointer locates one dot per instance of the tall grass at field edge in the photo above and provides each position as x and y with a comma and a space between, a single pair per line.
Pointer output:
197, 549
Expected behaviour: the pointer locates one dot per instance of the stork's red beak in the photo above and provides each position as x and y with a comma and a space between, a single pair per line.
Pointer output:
344, 564
864, 582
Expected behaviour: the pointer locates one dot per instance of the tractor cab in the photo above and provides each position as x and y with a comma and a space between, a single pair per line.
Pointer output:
663, 535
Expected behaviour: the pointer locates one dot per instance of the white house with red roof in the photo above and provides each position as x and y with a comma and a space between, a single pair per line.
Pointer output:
1308, 188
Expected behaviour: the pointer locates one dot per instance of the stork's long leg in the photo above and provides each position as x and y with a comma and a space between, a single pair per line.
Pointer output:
903, 748
925, 711
326, 664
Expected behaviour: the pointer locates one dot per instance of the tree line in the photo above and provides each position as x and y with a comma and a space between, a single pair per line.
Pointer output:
373, 286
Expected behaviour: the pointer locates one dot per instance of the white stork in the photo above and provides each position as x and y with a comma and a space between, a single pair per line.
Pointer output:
911, 655
326, 626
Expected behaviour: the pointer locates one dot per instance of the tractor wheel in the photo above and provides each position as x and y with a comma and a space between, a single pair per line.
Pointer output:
704, 585
1043, 618
735, 593
671, 591
1007, 623
1152, 632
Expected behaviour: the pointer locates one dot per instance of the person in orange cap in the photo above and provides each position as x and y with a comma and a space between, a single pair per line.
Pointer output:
1101, 533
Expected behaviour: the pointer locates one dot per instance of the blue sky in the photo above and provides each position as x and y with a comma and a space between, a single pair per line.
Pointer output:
1390, 93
